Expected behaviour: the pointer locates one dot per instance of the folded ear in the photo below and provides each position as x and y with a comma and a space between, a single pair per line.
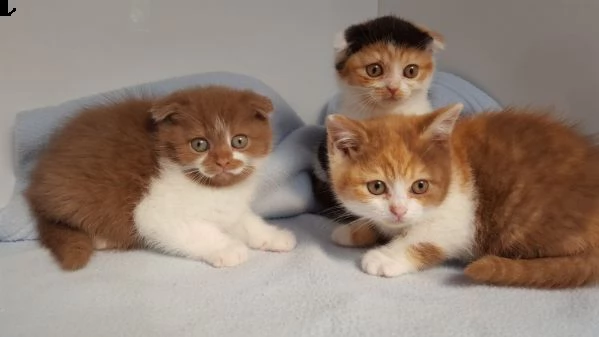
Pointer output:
340, 49
261, 105
345, 134
438, 42
339, 42
441, 122
167, 109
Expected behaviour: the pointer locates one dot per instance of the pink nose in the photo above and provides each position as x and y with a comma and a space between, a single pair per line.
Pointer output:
392, 90
398, 211
223, 162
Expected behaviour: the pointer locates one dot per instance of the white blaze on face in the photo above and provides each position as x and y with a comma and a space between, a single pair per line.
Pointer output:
220, 126
400, 198
395, 77
243, 158
199, 164
405, 89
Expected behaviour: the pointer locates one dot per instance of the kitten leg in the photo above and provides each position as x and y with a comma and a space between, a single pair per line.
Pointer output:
359, 233
254, 231
399, 257
201, 241
422, 247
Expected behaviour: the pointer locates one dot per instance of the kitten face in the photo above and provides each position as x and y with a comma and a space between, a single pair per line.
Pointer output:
386, 74
392, 169
387, 60
217, 135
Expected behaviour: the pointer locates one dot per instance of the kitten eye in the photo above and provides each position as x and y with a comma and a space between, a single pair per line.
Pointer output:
239, 141
200, 144
410, 71
374, 70
420, 186
376, 187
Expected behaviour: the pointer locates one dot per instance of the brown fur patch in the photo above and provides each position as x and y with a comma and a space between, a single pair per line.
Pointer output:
544, 203
425, 255
363, 234
98, 166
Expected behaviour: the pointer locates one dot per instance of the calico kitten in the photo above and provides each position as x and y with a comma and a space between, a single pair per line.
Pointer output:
175, 174
384, 66
515, 193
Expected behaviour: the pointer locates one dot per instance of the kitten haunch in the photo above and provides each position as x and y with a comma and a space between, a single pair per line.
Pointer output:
515, 193
175, 174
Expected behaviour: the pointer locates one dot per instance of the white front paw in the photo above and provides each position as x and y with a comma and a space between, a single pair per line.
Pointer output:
230, 256
279, 240
377, 262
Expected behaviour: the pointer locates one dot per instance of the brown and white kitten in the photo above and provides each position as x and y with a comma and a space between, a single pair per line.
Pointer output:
175, 174
383, 66
513, 192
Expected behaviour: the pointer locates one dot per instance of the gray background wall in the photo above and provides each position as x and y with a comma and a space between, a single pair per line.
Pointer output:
521, 51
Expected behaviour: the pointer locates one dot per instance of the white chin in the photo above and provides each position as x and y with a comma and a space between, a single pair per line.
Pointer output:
392, 101
394, 224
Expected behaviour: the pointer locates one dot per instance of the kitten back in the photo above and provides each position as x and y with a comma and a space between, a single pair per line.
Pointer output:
539, 185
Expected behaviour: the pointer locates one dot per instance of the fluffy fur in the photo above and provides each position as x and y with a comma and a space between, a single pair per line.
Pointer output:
132, 174
514, 193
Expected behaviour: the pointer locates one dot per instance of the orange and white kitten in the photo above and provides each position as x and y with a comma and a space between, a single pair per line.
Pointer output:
175, 174
385, 66
514, 193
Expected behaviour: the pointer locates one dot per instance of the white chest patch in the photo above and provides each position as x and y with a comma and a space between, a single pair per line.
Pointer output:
453, 224
174, 200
